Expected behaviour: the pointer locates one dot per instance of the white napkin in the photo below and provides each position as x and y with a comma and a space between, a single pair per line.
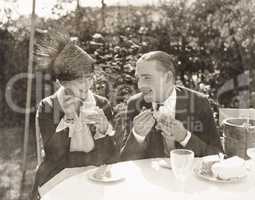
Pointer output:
229, 168
77, 133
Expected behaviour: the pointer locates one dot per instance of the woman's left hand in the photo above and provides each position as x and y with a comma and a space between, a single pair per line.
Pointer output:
101, 122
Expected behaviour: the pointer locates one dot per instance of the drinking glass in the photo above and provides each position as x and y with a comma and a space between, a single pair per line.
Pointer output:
181, 162
88, 108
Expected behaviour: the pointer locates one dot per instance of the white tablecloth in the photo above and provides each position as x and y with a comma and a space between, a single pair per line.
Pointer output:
144, 179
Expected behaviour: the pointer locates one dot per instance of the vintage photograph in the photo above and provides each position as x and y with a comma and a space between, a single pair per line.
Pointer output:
127, 99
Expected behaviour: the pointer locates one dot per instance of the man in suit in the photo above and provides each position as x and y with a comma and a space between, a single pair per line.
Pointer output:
165, 116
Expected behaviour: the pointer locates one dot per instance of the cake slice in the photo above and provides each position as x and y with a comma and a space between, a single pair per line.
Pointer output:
206, 165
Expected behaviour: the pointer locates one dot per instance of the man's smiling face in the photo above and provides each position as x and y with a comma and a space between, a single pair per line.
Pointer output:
153, 80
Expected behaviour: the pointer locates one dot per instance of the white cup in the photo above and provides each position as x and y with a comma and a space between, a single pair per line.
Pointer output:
86, 110
182, 162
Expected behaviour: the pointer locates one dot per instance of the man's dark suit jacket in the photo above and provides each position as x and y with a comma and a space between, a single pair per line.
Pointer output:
192, 109
56, 145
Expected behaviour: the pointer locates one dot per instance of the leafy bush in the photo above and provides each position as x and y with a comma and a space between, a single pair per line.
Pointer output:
212, 40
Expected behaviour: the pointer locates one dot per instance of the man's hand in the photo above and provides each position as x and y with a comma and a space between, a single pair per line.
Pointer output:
171, 128
143, 123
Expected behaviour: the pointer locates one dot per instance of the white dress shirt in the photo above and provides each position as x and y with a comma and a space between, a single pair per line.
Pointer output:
169, 106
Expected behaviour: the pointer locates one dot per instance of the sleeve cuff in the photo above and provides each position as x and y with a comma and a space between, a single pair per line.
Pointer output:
186, 139
139, 138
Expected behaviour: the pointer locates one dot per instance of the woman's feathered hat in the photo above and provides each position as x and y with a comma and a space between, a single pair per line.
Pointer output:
61, 57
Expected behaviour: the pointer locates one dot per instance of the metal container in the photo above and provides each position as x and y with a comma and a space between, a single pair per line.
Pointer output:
239, 134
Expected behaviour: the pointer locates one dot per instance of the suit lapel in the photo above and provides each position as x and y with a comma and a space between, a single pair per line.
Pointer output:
182, 109
182, 105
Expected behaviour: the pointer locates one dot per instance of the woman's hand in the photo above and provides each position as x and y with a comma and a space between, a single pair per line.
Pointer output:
100, 120
71, 104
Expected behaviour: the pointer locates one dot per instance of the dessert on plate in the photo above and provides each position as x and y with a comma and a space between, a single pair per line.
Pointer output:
103, 172
206, 165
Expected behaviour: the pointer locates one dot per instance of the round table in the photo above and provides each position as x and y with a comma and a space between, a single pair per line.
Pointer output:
144, 179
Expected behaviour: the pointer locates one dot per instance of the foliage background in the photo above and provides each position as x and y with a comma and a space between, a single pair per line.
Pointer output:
214, 42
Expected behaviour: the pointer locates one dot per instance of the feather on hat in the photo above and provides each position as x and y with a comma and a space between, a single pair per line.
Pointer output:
62, 58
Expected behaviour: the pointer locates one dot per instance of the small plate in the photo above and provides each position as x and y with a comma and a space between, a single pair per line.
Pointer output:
114, 177
197, 171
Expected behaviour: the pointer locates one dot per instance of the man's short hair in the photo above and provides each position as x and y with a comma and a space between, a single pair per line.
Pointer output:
167, 61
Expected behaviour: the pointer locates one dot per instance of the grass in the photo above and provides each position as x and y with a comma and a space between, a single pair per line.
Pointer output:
12, 185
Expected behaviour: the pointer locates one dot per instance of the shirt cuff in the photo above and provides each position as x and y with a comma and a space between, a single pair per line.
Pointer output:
186, 139
139, 138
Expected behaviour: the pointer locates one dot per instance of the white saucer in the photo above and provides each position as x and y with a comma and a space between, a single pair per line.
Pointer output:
114, 177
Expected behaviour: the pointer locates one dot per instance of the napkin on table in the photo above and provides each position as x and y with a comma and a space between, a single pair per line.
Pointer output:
229, 168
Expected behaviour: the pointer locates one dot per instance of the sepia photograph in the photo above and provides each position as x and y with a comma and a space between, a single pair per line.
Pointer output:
127, 99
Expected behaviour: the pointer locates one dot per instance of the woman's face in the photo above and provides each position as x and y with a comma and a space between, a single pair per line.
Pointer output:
78, 87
